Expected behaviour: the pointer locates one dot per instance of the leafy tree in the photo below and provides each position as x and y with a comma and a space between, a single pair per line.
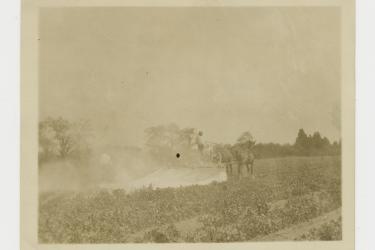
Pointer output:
301, 141
246, 139
60, 138
165, 141
160, 141
49, 146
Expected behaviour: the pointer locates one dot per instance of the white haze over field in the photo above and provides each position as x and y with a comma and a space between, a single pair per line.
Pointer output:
67, 176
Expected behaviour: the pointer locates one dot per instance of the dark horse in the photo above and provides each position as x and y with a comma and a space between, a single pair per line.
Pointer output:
239, 154
243, 155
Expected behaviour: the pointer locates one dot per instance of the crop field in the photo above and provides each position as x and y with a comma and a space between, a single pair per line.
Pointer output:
294, 198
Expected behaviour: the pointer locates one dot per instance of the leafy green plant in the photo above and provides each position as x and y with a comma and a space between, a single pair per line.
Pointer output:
328, 231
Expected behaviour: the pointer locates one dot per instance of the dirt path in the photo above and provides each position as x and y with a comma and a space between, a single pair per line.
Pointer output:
298, 230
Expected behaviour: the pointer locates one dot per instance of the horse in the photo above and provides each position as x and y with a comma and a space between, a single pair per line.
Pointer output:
243, 155
238, 154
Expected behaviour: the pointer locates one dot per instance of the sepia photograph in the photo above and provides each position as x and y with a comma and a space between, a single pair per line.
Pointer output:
192, 124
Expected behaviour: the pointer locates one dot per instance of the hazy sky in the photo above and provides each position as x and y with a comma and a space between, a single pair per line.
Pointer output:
223, 70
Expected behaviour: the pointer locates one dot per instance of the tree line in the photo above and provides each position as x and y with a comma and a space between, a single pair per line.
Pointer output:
60, 138
304, 145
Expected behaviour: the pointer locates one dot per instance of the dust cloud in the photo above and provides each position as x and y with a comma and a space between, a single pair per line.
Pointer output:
100, 170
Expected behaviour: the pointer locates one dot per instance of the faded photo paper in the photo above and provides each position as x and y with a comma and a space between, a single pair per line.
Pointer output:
199, 122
